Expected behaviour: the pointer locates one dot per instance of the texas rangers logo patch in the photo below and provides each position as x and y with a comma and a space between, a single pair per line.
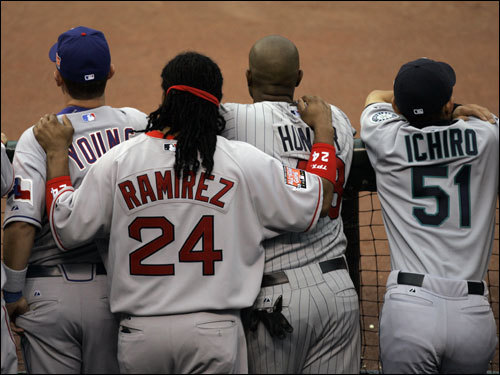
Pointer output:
294, 177
88, 117
383, 116
22, 190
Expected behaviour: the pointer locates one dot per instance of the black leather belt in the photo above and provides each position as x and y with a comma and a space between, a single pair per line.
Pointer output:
277, 278
417, 279
54, 271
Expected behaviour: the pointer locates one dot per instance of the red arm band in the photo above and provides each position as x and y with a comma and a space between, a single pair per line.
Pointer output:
323, 162
52, 188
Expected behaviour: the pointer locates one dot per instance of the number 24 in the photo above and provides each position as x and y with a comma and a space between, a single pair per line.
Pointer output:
203, 230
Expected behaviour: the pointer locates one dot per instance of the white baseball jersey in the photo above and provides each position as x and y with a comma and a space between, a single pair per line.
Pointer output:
7, 172
185, 245
97, 130
277, 129
438, 189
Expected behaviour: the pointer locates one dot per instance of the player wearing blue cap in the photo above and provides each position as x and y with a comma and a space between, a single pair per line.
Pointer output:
437, 180
58, 300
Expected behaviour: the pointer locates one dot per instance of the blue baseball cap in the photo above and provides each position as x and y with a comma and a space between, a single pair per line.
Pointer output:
82, 55
423, 87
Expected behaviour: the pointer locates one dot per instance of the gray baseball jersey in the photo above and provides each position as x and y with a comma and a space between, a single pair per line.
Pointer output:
438, 189
69, 327
9, 356
179, 247
321, 307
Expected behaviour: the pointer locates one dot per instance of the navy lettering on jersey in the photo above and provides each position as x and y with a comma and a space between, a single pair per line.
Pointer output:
294, 139
91, 147
441, 145
189, 187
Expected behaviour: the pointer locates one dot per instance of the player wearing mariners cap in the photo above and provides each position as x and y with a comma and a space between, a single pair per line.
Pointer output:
186, 216
306, 274
64, 316
9, 355
437, 181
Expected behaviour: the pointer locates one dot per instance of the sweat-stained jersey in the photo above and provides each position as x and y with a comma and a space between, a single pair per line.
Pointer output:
277, 129
185, 245
438, 190
97, 130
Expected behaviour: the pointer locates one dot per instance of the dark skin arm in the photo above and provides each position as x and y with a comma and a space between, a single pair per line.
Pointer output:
317, 114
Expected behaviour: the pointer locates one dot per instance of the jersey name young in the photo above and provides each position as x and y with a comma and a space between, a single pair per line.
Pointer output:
90, 147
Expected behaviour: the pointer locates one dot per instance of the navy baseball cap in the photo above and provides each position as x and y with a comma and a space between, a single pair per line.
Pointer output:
82, 55
423, 87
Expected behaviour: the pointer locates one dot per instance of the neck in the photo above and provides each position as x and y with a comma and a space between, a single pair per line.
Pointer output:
85, 103
272, 97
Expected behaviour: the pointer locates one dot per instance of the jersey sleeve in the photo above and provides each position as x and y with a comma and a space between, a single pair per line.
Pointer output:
285, 199
7, 172
344, 141
79, 216
137, 119
26, 201
228, 111
379, 125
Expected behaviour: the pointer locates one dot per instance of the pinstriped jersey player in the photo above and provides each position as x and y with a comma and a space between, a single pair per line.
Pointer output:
273, 124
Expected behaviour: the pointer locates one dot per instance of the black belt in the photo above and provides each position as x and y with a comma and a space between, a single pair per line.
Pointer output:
417, 279
54, 271
277, 278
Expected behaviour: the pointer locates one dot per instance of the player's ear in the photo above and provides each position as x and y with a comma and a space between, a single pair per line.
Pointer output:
299, 78
58, 78
395, 107
448, 108
249, 77
111, 71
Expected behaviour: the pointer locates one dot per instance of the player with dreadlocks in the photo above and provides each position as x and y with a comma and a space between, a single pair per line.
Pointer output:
185, 250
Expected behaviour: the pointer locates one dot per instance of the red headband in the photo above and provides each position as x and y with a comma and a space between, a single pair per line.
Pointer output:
202, 94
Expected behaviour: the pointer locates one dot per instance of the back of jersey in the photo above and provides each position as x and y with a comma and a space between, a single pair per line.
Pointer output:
277, 129
438, 189
97, 130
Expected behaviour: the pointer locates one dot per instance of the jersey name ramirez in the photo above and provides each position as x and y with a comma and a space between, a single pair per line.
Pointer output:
159, 186
448, 143
86, 149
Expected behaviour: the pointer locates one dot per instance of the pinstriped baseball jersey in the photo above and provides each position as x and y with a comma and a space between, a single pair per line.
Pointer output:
437, 187
277, 129
7, 172
161, 225
97, 130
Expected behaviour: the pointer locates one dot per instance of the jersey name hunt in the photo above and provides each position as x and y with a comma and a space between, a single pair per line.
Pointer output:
294, 138
210, 190
92, 146
437, 145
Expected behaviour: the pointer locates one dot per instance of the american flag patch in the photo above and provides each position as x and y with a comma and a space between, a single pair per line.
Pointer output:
294, 177
88, 117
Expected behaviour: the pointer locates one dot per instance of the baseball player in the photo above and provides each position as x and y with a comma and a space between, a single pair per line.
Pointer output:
9, 355
65, 321
186, 216
304, 272
437, 181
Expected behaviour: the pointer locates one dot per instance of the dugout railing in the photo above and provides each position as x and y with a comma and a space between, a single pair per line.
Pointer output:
368, 254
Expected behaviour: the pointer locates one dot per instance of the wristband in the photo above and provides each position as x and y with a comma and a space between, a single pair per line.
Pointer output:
53, 187
10, 297
15, 279
323, 162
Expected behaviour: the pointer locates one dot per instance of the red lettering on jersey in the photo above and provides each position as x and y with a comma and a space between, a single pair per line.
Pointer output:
216, 198
202, 186
187, 184
163, 184
145, 189
128, 192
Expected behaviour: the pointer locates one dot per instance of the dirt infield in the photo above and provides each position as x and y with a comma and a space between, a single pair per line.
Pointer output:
346, 49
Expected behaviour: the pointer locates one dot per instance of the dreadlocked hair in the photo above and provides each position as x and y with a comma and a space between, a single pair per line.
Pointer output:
195, 122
